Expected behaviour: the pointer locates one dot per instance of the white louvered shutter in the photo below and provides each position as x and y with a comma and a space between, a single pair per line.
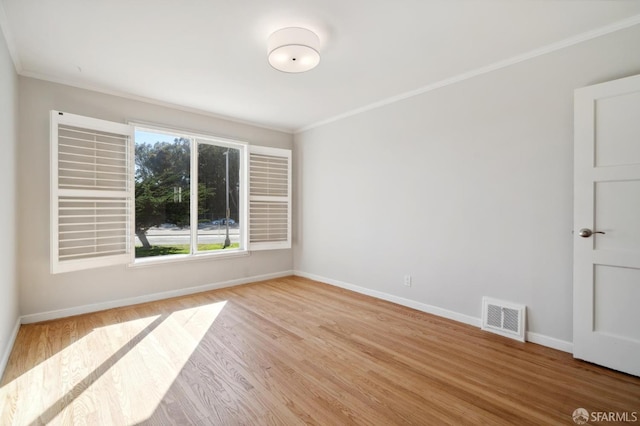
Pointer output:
269, 198
91, 192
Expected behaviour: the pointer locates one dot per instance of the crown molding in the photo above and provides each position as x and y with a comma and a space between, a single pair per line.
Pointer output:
571, 41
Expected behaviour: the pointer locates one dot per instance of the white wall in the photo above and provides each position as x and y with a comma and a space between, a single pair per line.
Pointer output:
8, 142
468, 188
39, 290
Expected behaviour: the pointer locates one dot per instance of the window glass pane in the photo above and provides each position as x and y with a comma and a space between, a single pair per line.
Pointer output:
162, 194
218, 197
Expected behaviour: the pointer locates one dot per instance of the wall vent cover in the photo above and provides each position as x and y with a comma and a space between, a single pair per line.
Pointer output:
504, 318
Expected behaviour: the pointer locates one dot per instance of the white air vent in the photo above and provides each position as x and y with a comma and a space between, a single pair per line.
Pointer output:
504, 318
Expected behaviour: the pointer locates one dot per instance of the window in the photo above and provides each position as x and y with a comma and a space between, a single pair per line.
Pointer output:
219, 197
188, 193
121, 193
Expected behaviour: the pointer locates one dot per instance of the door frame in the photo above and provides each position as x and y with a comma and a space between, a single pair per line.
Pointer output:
585, 256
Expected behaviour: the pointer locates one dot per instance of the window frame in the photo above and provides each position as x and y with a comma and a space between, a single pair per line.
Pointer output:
195, 138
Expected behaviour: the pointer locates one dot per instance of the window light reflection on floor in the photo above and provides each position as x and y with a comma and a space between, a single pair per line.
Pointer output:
133, 362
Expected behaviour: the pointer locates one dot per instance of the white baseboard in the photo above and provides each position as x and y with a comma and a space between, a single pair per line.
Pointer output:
95, 307
550, 342
430, 309
9, 347
532, 337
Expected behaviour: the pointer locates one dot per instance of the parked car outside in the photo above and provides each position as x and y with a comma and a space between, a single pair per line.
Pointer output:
223, 221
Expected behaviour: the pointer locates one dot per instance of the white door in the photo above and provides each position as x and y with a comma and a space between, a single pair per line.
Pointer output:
606, 275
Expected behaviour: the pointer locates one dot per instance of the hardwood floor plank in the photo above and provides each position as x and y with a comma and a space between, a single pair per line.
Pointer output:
292, 351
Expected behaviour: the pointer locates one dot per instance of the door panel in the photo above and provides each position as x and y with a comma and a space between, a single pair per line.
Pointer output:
617, 130
616, 294
617, 206
606, 274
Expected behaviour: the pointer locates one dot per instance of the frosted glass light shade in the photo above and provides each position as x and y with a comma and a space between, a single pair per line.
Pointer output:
293, 50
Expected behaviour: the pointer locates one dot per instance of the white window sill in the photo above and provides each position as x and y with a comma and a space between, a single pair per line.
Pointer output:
179, 258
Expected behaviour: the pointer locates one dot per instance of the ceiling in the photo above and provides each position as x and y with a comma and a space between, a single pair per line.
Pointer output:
210, 55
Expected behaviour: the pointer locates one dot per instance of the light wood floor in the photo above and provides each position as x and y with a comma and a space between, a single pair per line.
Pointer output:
292, 351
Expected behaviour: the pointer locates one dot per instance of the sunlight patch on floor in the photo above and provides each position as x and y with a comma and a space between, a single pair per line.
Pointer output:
130, 365
47, 382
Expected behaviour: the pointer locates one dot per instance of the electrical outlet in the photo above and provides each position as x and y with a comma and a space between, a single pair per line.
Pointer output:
407, 280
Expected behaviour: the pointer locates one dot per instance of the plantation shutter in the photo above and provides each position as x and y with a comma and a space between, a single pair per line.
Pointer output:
269, 198
91, 192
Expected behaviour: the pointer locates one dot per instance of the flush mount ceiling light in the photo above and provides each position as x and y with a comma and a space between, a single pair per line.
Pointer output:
293, 50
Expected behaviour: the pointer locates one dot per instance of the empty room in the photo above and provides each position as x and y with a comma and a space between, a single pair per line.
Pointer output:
320, 212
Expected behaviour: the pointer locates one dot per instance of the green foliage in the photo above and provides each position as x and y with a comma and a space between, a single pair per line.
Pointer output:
177, 249
161, 250
162, 183
211, 177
